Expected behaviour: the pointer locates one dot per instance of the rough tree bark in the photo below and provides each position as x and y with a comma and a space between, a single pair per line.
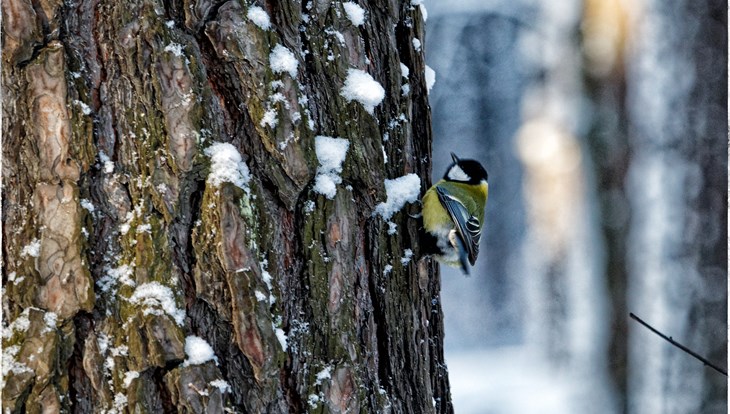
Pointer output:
115, 248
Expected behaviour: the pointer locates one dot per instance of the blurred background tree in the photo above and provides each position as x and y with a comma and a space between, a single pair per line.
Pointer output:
603, 125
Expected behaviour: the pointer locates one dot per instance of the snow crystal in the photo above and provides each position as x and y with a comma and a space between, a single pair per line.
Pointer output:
102, 339
84, 108
33, 249
399, 191
282, 59
154, 294
309, 206
360, 86
266, 276
51, 319
120, 401
170, 24
340, 37
174, 48
198, 351
221, 384
355, 13
10, 364
108, 163
144, 228
269, 119
259, 17
416, 44
87, 205
227, 166
331, 153
405, 90
121, 350
130, 376
430, 75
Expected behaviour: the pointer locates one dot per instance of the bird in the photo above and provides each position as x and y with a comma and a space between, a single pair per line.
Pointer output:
453, 214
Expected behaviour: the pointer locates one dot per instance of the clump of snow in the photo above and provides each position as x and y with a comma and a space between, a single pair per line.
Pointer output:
331, 153
313, 400
416, 44
355, 13
283, 339
430, 75
154, 295
33, 249
360, 86
102, 339
420, 5
282, 59
407, 255
399, 191
404, 71
10, 364
198, 351
326, 373
221, 384
387, 269
112, 276
20, 324
259, 17
130, 376
227, 166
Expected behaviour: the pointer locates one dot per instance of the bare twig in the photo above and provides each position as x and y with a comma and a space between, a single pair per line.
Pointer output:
678, 345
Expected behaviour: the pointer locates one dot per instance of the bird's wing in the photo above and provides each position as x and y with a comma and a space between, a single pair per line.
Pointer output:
467, 225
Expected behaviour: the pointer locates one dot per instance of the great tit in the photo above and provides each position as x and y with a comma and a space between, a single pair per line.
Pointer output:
453, 213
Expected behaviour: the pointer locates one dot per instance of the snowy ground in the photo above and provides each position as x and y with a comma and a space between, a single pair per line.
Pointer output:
505, 380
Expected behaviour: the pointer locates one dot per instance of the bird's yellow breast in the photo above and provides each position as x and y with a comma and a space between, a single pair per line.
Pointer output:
435, 215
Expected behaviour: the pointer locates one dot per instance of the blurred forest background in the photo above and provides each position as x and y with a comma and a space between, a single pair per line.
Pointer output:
603, 125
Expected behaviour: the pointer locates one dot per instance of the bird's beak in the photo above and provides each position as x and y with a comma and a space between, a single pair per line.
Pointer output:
454, 158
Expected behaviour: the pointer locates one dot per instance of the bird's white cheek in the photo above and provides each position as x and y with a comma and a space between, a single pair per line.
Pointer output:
457, 174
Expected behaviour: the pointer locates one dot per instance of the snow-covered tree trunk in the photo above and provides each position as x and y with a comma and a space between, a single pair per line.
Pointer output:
180, 235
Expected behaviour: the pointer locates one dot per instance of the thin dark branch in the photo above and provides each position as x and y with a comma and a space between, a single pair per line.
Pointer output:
678, 345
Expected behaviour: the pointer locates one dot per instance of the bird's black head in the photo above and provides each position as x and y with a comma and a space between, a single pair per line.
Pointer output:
465, 171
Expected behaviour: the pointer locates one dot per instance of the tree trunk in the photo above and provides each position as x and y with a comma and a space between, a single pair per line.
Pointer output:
120, 246
677, 183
